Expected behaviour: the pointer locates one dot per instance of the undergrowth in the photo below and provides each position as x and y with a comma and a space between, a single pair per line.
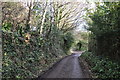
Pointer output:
102, 67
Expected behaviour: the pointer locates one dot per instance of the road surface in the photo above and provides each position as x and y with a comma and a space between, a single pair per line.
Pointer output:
68, 67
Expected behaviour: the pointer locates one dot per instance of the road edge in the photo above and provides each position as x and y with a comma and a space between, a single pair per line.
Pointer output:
85, 67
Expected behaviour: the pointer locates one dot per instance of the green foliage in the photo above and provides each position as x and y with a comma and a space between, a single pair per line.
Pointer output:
26, 53
83, 38
84, 45
104, 39
102, 67
26, 60
79, 44
105, 18
6, 26
68, 41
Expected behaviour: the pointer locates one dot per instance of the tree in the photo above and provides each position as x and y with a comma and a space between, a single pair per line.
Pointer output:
105, 29
67, 17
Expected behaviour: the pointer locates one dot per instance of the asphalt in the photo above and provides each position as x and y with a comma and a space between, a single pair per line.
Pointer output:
69, 67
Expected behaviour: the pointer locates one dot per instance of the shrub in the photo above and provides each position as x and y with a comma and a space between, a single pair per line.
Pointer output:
102, 67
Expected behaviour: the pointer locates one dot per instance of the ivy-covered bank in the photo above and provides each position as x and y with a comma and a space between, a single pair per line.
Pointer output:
28, 58
101, 67
31, 41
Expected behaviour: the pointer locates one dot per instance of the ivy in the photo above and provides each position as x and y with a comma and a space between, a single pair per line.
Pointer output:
102, 67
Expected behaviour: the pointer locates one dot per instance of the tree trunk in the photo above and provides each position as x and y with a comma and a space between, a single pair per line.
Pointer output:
43, 19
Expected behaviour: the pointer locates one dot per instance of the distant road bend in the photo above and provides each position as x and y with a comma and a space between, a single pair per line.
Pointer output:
69, 67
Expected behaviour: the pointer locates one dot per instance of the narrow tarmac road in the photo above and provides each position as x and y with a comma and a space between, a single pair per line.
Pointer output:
69, 67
